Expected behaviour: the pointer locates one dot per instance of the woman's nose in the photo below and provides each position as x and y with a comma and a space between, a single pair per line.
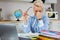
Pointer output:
38, 12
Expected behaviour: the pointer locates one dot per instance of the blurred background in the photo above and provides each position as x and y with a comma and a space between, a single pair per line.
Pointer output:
52, 9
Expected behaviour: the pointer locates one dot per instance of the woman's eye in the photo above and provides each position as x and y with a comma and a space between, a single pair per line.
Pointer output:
36, 11
39, 10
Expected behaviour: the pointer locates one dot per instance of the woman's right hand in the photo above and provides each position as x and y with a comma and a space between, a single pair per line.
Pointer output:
25, 16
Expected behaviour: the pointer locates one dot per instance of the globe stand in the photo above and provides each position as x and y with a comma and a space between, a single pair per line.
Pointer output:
18, 20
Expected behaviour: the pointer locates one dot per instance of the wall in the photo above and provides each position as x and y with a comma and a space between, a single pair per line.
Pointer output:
57, 8
8, 8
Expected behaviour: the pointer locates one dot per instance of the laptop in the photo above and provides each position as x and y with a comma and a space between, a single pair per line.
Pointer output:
8, 32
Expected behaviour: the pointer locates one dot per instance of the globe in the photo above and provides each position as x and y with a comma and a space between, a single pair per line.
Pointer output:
18, 14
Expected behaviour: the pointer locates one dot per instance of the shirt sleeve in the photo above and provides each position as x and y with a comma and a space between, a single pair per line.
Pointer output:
46, 23
26, 26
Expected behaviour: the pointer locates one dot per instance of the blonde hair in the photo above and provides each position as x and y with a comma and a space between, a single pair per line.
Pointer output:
39, 3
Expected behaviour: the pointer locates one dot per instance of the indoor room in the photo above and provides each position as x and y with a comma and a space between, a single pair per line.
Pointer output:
29, 19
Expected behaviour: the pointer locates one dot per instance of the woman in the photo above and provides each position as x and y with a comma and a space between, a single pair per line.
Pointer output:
38, 22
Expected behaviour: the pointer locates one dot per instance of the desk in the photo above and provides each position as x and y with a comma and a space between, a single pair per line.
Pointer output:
42, 37
38, 37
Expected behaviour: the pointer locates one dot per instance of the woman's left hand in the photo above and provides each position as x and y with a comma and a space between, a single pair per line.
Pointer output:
39, 15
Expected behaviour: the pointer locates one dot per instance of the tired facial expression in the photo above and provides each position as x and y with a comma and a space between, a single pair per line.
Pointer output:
38, 8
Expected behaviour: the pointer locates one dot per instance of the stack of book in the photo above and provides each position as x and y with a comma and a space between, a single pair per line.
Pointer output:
54, 34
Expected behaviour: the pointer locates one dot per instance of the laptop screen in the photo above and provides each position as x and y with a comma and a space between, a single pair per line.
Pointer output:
8, 32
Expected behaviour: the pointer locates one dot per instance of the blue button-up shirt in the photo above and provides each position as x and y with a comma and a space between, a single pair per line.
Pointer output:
33, 25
